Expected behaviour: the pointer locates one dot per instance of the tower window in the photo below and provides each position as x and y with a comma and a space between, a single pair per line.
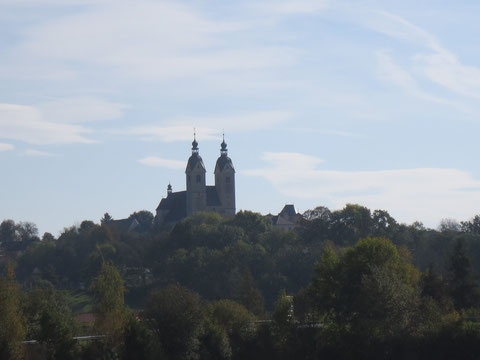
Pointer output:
188, 179
199, 179
227, 180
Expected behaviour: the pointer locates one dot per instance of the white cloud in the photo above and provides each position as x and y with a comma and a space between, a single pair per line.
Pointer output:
80, 109
38, 153
424, 194
6, 147
55, 122
26, 123
209, 127
160, 162
290, 7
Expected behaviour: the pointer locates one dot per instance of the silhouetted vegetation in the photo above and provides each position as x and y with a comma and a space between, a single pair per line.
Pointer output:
350, 283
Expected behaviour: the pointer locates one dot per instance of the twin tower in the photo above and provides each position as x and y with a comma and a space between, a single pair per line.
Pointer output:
198, 196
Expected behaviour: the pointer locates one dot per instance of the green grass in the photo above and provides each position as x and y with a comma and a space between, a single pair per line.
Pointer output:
79, 301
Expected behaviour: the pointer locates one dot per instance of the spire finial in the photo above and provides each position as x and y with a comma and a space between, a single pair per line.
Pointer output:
194, 143
169, 188
223, 145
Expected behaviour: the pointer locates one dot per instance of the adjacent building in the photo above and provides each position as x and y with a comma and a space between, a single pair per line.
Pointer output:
287, 219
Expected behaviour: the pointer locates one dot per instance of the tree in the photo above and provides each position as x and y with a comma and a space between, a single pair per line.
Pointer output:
12, 324
250, 296
383, 223
350, 224
370, 291
8, 233
144, 218
315, 225
51, 322
283, 314
251, 222
27, 231
178, 317
472, 226
140, 342
449, 225
325, 285
86, 225
17, 236
434, 286
320, 212
237, 322
215, 344
463, 289
109, 307
106, 218
48, 237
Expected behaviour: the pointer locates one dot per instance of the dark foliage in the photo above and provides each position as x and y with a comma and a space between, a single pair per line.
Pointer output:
364, 286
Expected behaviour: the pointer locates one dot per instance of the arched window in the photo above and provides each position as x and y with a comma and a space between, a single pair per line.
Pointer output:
199, 179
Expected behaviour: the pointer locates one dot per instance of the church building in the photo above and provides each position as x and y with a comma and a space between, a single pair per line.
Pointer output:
198, 196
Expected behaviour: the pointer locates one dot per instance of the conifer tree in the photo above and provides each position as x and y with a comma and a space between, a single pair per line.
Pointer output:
463, 289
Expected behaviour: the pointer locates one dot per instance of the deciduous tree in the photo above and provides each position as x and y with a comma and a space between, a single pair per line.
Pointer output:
110, 311
12, 323
178, 317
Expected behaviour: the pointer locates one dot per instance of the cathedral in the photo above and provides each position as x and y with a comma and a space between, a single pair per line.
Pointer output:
198, 196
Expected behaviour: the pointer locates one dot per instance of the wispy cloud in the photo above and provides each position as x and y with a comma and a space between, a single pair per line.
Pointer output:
27, 124
22, 3
445, 69
164, 163
208, 127
80, 109
148, 40
339, 133
411, 194
6, 147
38, 153
391, 72
291, 7
437, 63
55, 122
170, 133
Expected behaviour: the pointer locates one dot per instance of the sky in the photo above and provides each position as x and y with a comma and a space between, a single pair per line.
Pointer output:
322, 103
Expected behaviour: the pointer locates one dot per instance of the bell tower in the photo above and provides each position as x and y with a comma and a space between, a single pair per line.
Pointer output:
196, 185
225, 181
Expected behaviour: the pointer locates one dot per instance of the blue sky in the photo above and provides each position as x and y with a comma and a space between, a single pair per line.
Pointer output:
322, 103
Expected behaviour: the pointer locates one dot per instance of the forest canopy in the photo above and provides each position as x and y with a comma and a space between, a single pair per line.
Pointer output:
240, 286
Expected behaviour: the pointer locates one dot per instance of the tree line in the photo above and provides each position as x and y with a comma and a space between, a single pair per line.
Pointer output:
350, 283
